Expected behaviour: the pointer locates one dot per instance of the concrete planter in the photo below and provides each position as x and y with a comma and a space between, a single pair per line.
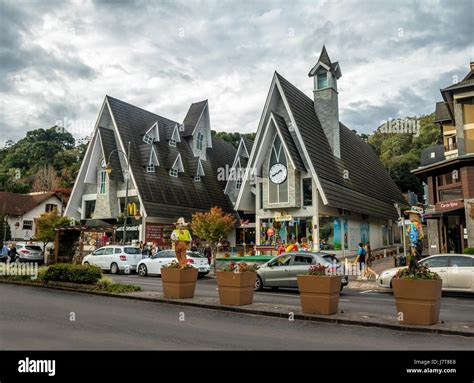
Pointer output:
418, 300
236, 289
319, 294
179, 283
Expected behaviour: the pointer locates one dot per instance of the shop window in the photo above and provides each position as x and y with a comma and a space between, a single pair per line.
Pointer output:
450, 194
364, 230
89, 209
330, 233
27, 225
307, 192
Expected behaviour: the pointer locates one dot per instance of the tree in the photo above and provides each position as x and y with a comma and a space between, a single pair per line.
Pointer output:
5, 231
46, 179
46, 225
213, 226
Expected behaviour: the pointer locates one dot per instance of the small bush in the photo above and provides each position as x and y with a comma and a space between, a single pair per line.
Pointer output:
469, 250
105, 282
65, 272
120, 288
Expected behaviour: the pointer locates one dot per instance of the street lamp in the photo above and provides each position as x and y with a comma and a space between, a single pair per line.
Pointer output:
109, 169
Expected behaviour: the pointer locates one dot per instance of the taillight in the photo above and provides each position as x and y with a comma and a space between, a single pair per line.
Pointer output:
24, 251
190, 260
123, 258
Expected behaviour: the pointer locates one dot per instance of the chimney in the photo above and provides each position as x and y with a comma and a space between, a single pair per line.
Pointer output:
326, 105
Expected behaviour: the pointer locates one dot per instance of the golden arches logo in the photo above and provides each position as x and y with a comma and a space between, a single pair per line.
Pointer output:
132, 208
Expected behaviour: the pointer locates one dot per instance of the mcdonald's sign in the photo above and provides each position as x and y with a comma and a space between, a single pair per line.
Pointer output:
132, 209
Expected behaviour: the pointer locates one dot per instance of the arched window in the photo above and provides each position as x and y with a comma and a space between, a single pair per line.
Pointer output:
277, 193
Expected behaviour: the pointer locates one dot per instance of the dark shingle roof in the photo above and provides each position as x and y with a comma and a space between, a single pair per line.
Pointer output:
289, 142
107, 137
159, 190
432, 155
192, 117
248, 144
324, 57
459, 85
368, 180
442, 112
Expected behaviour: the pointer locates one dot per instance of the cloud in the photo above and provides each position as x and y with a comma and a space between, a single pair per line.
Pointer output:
59, 59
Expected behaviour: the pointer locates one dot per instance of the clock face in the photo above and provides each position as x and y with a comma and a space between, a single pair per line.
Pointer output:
102, 163
278, 173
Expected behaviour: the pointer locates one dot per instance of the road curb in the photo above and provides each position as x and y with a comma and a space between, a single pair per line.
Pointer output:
243, 310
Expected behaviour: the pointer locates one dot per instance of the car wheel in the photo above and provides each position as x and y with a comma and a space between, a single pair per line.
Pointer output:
114, 269
142, 270
86, 263
258, 284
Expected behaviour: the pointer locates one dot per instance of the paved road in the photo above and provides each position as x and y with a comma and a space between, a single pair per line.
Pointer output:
33, 319
456, 308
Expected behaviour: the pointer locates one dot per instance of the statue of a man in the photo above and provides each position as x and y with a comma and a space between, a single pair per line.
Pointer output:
181, 238
415, 236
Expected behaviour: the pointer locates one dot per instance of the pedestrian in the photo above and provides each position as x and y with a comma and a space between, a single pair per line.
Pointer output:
360, 260
368, 261
12, 253
4, 252
208, 253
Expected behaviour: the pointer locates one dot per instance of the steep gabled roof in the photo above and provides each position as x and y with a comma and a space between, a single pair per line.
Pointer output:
367, 179
158, 190
442, 112
18, 204
289, 142
248, 144
107, 138
192, 117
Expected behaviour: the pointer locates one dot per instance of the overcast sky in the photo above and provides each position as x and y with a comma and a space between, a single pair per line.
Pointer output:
59, 60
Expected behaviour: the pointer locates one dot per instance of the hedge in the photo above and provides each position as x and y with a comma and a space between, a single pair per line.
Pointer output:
469, 250
65, 272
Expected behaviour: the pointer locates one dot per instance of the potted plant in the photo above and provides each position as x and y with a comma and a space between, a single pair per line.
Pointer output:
236, 283
178, 281
417, 295
319, 291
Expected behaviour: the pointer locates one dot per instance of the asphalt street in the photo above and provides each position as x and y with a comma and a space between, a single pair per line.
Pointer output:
32, 318
455, 308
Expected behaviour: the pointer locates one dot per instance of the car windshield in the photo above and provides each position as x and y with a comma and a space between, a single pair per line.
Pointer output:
195, 254
33, 247
132, 250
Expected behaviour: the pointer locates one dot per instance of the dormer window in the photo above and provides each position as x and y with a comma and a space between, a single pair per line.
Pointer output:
199, 172
175, 137
152, 161
152, 134
322, 80
197, 178
199, 140
177, 167
238, 184
172, 142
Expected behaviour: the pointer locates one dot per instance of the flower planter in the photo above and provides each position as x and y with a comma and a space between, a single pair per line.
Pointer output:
179, 283
319, 294
418, 300
236, 289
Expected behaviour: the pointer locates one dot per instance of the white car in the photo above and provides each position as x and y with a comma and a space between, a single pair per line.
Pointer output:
28, 252
456, 271
153, 265
115, 258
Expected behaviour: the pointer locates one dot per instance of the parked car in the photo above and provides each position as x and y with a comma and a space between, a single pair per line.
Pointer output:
282, 270
456, 271
29, 253
153, 265
114, 258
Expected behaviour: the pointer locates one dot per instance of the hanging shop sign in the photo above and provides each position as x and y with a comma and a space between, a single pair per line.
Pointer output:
279, 217
129, 228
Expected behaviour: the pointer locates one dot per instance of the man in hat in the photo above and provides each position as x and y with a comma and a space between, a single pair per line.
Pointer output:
181, 238
415, 235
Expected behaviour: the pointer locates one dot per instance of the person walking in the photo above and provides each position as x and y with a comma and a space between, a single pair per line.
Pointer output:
12, 253
208, 253
4, 253
360, 260
368, 261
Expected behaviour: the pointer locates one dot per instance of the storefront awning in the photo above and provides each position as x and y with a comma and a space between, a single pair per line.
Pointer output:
447, 213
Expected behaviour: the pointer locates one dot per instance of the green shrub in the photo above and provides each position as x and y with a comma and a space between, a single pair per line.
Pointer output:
469, 250
105, 282
121, 288
65, 272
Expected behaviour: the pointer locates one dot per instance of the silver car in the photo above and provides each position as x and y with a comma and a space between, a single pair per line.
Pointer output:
29, 253
456, 271
282, 270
